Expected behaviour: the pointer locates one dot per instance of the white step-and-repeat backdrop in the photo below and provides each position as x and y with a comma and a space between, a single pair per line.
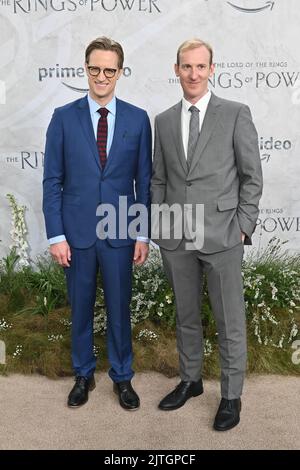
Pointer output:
257, 56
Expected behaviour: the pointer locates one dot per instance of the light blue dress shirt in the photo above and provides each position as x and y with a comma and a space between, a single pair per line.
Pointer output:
111, 119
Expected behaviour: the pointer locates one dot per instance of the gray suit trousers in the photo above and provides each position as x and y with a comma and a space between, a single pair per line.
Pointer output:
185, 270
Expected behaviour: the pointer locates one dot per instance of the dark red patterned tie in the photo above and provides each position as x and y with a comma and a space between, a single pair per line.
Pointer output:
102, 135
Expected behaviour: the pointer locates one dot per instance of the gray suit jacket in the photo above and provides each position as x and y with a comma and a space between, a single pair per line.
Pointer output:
225, 174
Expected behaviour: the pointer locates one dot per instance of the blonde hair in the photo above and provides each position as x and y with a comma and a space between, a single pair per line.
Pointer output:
194, 44
105, 44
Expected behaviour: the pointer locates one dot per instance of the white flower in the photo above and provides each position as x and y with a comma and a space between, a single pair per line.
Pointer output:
148, 335
96, 350
54, 338
207, 347
274, 291
4, 325
18, 351
18, 231
293, 333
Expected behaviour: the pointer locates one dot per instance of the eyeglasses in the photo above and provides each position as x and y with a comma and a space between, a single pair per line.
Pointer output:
95, 71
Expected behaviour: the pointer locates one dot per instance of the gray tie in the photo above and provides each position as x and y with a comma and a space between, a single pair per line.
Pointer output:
193, 134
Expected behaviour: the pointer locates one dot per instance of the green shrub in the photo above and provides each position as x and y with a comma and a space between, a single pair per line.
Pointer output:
38, 338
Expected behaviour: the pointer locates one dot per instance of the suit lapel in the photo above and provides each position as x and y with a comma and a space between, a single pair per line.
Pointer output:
210, 120
119, 133
177, 134
86, 122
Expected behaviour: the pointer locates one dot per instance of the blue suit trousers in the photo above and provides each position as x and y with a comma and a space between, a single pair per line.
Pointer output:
115, 266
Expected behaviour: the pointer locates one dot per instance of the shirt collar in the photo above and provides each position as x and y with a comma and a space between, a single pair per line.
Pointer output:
94, 106
201, 104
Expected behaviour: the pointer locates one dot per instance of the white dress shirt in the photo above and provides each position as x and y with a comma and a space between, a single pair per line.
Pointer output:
186, 116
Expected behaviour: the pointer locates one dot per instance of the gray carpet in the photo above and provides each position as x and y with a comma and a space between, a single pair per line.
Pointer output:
34, 415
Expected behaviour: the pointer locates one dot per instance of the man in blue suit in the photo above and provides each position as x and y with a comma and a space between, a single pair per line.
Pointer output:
98, 148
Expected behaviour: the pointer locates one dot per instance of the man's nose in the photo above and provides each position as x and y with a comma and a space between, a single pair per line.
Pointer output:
101, 75
194, 73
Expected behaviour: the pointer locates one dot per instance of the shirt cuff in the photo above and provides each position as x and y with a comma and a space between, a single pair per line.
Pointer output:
59, 238
142, 239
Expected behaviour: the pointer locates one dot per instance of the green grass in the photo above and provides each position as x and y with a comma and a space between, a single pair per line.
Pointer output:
52, 358
34, 301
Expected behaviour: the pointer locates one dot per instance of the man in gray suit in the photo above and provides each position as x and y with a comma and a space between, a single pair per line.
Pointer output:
206, 152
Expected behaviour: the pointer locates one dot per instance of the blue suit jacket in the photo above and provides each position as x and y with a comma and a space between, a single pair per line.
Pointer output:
74, 184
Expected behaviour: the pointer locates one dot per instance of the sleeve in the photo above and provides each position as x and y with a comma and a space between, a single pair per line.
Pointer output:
53, 177
249, 169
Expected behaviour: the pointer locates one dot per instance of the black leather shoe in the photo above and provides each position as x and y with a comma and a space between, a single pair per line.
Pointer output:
181, 394
80, 392
228, 414
128, 398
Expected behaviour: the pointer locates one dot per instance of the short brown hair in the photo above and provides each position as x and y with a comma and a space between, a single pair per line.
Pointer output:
105, 44
194, 44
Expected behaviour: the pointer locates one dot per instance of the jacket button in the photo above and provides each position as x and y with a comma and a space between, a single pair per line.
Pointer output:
188, 183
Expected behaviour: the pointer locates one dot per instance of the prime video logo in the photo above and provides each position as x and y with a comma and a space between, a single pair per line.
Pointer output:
267, 5
68, 72
46, 73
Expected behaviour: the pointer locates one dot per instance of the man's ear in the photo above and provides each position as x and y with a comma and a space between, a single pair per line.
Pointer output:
119, 74
176, 69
